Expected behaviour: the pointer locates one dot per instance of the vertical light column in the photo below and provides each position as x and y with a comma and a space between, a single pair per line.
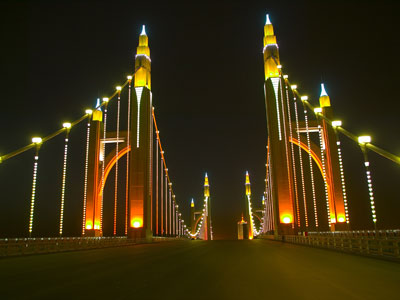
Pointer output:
105, 100
170, 208
88, 113
166, 202
116, 162
303, 99
67, 127
363, 140
162, 195
38, 142
157, 146
128, 144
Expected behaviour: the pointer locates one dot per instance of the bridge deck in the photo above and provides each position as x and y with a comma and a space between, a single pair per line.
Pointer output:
198, 269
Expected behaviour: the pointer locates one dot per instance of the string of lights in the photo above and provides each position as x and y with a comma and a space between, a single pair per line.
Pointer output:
67, 126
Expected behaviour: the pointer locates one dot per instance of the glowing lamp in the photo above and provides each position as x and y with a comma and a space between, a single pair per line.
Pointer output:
304, 98
67, 125
129, 77
293, 86
118, 88
336, 123
89, 226
333, 220
285, 76
136, 223
318, 110
105, 99
279, 66
341, 219
364, 139
36, 140
287, 220
89, 111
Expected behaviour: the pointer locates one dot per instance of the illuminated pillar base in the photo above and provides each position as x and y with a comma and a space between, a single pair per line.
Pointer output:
340, 226
286, 229
140, 234
93, 233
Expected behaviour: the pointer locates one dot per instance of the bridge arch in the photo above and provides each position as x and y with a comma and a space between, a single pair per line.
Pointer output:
109, 167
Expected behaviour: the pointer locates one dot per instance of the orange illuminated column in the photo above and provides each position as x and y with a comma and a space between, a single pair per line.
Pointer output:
140, 179
278, 134
93, 201
336, 200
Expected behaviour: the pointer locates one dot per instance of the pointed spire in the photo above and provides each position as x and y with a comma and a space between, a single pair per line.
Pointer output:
206, 180
323, 92
98, 104
192, 203
247, 178
267, 20
143, 30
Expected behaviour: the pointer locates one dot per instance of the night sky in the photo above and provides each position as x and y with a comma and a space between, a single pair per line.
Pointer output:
207, 84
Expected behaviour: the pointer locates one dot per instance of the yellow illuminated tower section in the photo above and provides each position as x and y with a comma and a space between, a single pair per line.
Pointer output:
140, 179
248, 198
278, 134
338, 215
207, 225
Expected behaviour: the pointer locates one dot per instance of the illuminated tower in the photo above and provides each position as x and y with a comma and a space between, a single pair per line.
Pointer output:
207, 216
192, 217
278, 133
93, 201
336, 199
140, 179
249, 211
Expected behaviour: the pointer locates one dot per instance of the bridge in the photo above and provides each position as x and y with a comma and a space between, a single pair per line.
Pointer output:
129, 211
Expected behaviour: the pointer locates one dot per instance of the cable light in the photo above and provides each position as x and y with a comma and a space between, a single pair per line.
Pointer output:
293, 161
127, 155
304, 98
67, 126
116, 162
322, 147
301, 160
105, 100
38, 142
86, 174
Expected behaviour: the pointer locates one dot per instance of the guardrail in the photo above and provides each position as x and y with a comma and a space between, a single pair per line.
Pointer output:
28, 246
388, 247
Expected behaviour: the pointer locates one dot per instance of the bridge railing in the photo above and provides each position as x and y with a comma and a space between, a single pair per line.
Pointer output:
384, 247
27, 246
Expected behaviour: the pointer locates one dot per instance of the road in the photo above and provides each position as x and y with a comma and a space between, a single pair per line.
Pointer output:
200, 270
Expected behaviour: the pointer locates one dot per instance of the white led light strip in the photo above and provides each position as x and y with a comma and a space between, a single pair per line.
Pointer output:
139, 91
275, 84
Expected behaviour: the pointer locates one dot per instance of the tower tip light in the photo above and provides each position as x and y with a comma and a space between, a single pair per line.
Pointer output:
304, 98
143, 30
323, 91
336, 123
267, 21
67, 125
364, 139
36, 140
318, 110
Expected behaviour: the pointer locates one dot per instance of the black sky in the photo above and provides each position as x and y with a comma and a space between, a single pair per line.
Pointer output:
207, 84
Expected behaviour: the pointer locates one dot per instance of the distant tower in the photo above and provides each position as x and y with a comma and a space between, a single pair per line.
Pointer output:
248, 207
278, 133
140, 179
207, 225
192, 217
243, 231
93, 200
336, 200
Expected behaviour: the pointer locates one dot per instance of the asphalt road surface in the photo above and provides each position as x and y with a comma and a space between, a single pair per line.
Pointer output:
257, 269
